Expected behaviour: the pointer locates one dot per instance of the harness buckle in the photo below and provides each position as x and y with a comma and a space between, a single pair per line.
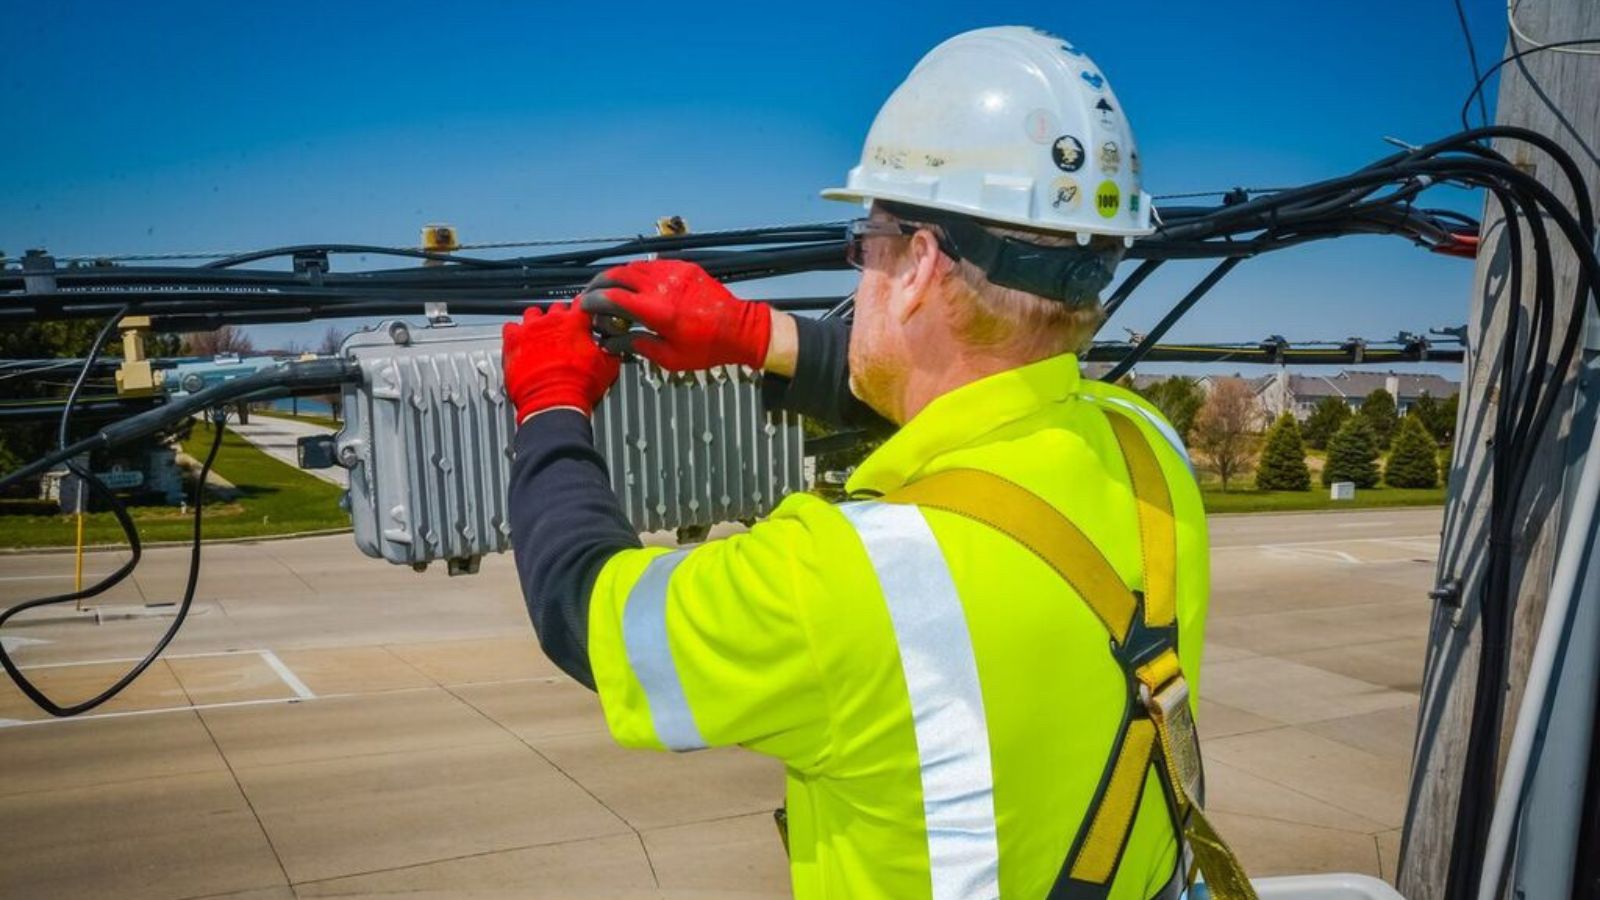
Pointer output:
1168, 706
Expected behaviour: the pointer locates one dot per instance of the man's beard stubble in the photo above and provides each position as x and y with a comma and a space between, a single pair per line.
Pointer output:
876, 382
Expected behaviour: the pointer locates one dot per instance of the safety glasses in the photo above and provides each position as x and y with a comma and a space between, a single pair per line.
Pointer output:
859, 230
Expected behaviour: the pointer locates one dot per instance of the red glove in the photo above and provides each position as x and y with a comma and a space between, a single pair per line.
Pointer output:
551, 360
693, 321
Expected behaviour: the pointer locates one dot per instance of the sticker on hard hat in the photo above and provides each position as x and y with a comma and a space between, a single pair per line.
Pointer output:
1040, 126
1067, 151
1065, 194
1093, 79
1107, 199
1110, 158
889, 157
1133, 203
1106, 111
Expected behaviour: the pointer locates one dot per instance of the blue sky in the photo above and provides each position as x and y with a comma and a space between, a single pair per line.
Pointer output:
198, 126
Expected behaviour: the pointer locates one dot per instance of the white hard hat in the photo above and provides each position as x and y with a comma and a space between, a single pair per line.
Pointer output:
1011, 125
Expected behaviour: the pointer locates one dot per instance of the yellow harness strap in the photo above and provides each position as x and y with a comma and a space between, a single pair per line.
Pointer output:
1158, 536
1019, 513
1143, 632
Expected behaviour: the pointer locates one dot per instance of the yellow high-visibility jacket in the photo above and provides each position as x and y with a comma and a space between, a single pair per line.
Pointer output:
943, 701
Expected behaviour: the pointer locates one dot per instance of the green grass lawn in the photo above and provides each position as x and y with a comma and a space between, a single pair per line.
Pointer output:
1247, 499
274, 498
324, 421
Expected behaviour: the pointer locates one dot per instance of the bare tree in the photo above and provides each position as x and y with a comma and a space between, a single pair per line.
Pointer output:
223, 339
331, 339
1224, 430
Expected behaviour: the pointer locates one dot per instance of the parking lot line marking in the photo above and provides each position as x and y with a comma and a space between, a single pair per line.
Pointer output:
123, 714
230, 704
1417, 544
286, 675
134, 659
1371, 540
1283, 551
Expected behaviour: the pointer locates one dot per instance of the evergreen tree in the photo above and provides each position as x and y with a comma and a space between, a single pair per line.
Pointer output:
1325, 419
1353, 455
1179, 398
1438, 416
23, 441
1283, 461
1444, 424
1380, 412
1426, 410
1413, 463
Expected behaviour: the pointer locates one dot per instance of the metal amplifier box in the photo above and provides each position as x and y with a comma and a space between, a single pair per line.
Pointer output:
428, 441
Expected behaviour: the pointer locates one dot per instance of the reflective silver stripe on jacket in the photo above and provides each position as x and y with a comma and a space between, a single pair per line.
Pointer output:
644, 634
946, 703
1160, 424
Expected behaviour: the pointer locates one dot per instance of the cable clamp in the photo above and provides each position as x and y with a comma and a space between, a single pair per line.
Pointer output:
313, 264
1275, 347
38, 261
437, 313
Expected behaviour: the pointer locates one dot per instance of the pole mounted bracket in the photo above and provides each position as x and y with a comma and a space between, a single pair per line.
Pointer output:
438, 239
1447, 593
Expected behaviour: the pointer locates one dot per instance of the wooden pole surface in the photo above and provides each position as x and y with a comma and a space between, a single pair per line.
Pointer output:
1558, 95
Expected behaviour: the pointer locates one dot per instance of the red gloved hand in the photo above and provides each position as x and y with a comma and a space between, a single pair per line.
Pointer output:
551, 359
693, 321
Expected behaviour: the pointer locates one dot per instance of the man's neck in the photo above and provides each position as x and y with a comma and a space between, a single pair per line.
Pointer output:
928, 383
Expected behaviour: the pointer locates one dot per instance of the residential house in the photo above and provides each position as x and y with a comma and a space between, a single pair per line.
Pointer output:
1284, 390
1287, 391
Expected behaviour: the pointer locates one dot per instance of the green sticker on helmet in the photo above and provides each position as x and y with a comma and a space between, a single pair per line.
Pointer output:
1107, 199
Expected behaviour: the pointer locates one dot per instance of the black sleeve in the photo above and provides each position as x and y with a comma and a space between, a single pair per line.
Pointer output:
820, 387
565, 524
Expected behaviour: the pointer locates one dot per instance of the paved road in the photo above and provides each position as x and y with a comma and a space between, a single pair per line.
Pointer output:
333, 725
277, 438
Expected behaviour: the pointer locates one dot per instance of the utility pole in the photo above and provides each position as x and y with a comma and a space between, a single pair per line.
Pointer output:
1556, 94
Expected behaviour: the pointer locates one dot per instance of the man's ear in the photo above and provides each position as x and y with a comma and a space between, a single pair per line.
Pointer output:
927, 267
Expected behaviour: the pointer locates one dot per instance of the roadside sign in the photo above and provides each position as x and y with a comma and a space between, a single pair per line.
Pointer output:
121, 479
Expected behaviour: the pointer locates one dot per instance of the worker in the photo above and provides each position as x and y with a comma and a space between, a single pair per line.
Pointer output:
979, 672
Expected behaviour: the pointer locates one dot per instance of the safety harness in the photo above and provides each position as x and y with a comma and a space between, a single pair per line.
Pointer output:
1157, 727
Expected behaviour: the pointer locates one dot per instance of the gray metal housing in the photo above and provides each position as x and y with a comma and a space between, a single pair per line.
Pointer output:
428, 441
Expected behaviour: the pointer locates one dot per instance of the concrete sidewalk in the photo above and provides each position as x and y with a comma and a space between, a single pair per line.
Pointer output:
330, 725
276, 437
